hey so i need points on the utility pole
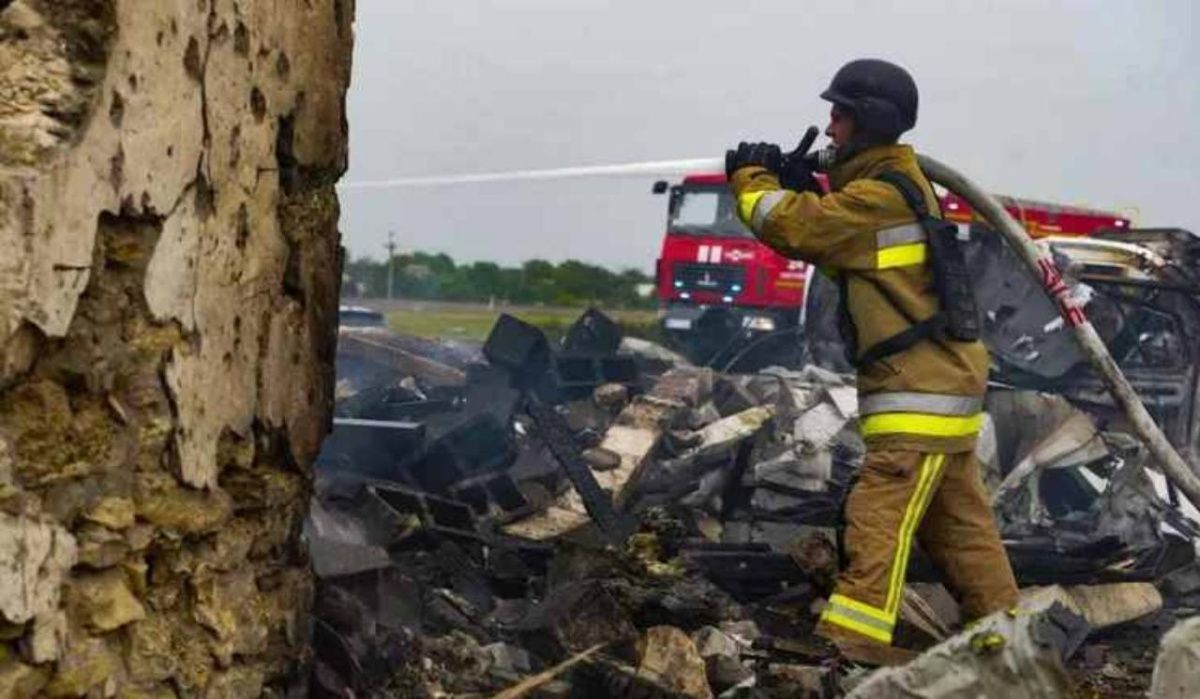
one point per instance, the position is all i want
(391, 276)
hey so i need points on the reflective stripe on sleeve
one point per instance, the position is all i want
(899, 235)
(913, 402)
(746, 204)
(900, 256)
(764, 206)
(921, 424)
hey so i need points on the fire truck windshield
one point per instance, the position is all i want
(704, 211)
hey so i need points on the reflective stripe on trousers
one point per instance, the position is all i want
(921, 424)
(928, 414)
(868, 620)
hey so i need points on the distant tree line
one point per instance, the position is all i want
(422, 275)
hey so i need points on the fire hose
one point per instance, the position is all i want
(1039, 262)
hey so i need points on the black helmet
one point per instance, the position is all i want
(882, 96)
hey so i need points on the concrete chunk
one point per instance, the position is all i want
(732, 430)
(668, 655)
(1102, 605)
(818, 426)
(1177, 669)
(809, 681)
(712, 641)
(633, 437)
(1005, 655)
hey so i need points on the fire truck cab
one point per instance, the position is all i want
(717, 285)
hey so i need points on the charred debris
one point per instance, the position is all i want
(602, 519)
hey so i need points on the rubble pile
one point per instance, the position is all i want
(600, 518)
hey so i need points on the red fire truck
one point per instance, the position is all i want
(720, 290)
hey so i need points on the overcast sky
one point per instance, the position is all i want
(1091, 103)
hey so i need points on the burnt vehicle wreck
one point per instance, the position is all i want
(598, 517)
(1142, 290)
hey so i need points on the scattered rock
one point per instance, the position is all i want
(601, 459)
(817, 427)
(725, 671)
(711, 641)
(611, 396)
(1102, 605)
(1002, 655)
(573, 617)
(807, 681)
(744, 631)
(652, 352)
(668, 655)
(1178, 663)
(509, 658)
(815, 553)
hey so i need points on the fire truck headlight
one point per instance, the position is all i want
(727, 299)
(761, 323)
(678, 283)
(735, 288)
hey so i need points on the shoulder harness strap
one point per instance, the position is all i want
(913, 196)
(915, 199)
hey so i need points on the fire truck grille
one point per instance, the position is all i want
(716, 279)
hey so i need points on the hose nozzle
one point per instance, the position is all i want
(817, 161)
(821, 160)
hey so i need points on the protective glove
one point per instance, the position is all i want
(794, 174)
(767, 155)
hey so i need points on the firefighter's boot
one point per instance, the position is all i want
(861, 650)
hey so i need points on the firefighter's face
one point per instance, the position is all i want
(841, 126)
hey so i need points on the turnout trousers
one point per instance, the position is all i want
(939, 500)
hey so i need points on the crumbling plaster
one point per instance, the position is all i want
(168, 293)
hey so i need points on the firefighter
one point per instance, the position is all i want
(920, 387)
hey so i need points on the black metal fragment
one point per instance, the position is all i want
(557, 435)
(431, 509)
(373, 448)
(517, 346)
(479, 444)
(574, 376)
(593, 333)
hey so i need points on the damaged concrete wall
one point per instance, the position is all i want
(167, 312)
